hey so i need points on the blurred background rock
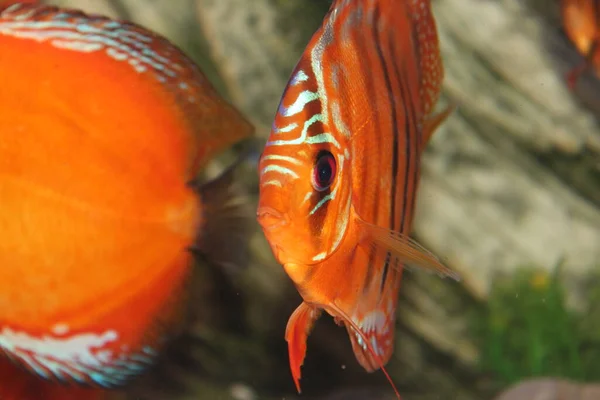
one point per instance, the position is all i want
(509, 198)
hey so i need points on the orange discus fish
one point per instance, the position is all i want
(339, 172)
(104, 127)
(581, 21)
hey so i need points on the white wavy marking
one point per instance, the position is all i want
(324, 200)
(77, 33)
(341, 225)
(273, 182)
(81, 357)
(281, 158)
(374, 324)
(285, 129)
(77, 348)
(279, 169)
(304, 138)
(302, 100)
(299, 77)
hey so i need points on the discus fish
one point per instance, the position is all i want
(581, 21)
(339, 172)
(104, 127)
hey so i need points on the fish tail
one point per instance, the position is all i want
(227, 219)
(296, 333)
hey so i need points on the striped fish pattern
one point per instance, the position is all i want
(339, 172)
(581, 21)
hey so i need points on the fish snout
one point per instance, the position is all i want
(270, 219)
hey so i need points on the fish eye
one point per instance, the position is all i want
(324, 171)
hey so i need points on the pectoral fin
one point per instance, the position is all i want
(407, 250)
(298, 328)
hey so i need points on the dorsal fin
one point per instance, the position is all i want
(428, 52)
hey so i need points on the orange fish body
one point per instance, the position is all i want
(103, 129)
(581, 21)
(340, 169)
(4, 3)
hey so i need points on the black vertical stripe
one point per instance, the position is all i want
(375, 124)
(411, 122)
(417, 133)
(411, 134)
(408, 149)
(394, 116)
(386, 269)
(408, 157)
(416, 52)
(394, 133)
(418, 148)
(370, 267)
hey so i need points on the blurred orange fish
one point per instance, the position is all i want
(4, 3)
(339, 172)
(104, 127)
(581, 21)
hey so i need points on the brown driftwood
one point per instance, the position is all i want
(511, 180)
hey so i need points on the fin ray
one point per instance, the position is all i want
(404, 248)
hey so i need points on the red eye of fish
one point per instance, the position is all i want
(324, 171)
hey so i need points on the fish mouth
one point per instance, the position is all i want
(270, 219)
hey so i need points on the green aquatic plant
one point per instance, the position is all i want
(527, 330)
